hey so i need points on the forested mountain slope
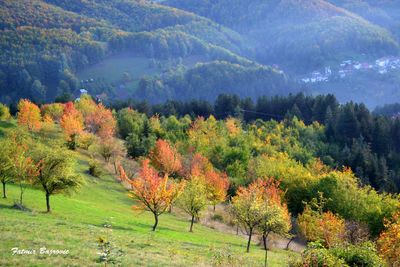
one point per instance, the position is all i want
(44, 43)
(383, 13)
(207, 80)
(296, 33)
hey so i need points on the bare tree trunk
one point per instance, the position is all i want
(288, 244)
(191, 224)
(4, 190)
(237, 229)
(48, 202)
(115, 167)
(264, 236)
(21, 187)
(249, 241)
(156, 221)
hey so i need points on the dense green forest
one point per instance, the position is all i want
(206, 81)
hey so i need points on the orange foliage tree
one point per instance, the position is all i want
(315, 225)
(101, 122)
(165, 158)
(389, 241)
(29, 115)
(152, 192)
(276, 217)
(217, 183)
(71, 123)
(260, 206)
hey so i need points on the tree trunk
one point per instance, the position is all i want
(290, 241)
(266, 249)
(191, 224)
(156, 221)
(214, 207)
(21, 193)
(115, 167)
(237, 229)
(4, 190)
(48, 202)
(249, 241)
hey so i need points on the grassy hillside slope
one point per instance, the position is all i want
(77, 221)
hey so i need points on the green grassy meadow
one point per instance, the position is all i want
(77, 221)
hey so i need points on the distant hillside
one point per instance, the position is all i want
(206, 81)
(385, 13)
(44, 43)
(298, 34)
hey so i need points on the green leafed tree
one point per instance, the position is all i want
(247, 208)
(4, 112)
(56, 173)
(5, 163)
(193, 199)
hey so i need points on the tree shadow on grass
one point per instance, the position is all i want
(4, 206)
(15, 206)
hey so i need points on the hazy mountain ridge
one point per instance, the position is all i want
(289, 32)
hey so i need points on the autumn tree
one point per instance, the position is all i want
(194, 198)
(217, 183)
(72, 124)
(54, 110)
(152, 192)
(247, 207)
(389, 241)
(29, 115)
(217, 186)
(127, 169)
(101, 122)
(165, 158)
(275, 215)
(86, 105)
(6, 152)
(23, 168)
(85, 140)
(4, 112)
(56, 173)
(316, 225)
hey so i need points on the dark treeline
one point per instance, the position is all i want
(355, 137)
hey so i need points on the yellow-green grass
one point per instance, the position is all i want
(78, 220)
